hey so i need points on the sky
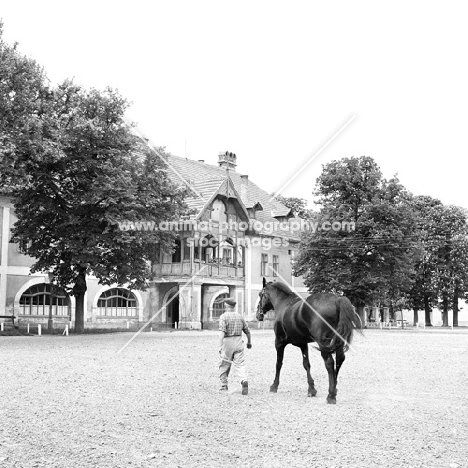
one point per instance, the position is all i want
(286, 86)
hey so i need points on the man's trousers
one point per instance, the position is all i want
(232, 349)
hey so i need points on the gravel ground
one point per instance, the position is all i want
(74, 402)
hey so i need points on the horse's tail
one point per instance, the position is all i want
(348, 321)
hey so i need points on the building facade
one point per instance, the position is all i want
(236, 235)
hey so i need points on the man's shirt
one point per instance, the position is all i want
(232, 324)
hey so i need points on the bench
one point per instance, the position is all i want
(11, 317)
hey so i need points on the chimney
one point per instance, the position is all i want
(244, 190)
(227, 160)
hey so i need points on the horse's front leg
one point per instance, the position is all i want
(279, 363)
(330, 365)
(306, 363)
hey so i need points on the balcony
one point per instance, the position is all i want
(215, 270)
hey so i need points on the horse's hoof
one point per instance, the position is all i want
(312, 393)
(273, 389)
(331, 401)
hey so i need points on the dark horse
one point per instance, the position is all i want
(325, 319)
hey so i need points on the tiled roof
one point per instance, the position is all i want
(207, 180)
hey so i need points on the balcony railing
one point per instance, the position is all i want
(208, 269)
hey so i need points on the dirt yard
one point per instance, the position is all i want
(74, 402)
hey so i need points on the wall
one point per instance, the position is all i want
(15, 257)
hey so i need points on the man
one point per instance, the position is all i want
(231, 346)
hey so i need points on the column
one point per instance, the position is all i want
(248, 279)
(153, 305)
(233, 295)
(196, 302)
(386, 314)
(376, 314)
(190, 307)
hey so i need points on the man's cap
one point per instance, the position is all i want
(230, 301)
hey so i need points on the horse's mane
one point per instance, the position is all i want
(282, 287)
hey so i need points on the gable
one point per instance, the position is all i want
(209, 181)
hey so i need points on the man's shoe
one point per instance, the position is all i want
(223, 388)
(245, 387)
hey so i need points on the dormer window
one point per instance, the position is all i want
(218, 212)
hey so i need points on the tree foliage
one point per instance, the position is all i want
(421, 295)
(74, 170)
(24, 89)
(449, 251)
(374, 261)
(297, 205)
(441, 272)
(405, 250)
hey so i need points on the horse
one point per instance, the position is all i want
(326, 319)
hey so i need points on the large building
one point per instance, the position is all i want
(237, 234)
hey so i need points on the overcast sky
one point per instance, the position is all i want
(274, 81)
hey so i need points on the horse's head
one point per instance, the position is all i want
(264, 304)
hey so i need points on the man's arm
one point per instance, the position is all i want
(247, 334)
(222, 331)
(221, 338)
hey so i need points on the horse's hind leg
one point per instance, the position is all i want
(330, 365)
(306, 363)
(279, 363)
(340, 357)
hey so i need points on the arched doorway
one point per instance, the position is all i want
(218, 307)
(172, 310)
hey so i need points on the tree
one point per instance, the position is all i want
(297, 205)
(449, 250)
(421, 295)
(24, 88)
(460, 284)
(89, 173)
(374, 259)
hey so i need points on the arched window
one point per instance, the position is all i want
(117, 302)
(39, 299)
(218, 306)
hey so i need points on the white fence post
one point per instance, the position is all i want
(39, 330)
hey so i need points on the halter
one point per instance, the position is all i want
(260, 311)
(260, 303)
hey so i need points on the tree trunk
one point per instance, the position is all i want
(455, 308)
(427, 310)
(415, 316)
(362, 315)
(445, 308)
(79, 291)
